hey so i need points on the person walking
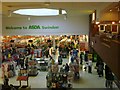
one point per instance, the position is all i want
(60, 60)
(97, 64)
(86, 60)
(109, 77)
(100, 69)
(26, 63)
(6, 80)
(81, 58)
(66, 67)
(90, 66)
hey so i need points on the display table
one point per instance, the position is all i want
(22, 78)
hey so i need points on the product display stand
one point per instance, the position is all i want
(22, 78)
(32, 71)
(8, 69)
(56, 79)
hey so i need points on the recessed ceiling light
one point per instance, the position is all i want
(110, 10)
(47, 3)
(39, 12)
(113, 22)
(105, 25)
(97, 22)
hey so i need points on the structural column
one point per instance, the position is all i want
(54, 50)
(53, 42)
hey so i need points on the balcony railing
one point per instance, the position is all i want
(109, 50)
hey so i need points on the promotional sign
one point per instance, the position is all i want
(32, 27)
(45, 25)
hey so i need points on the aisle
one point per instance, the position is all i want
(38, 81)
(89, 81)
(86, 80)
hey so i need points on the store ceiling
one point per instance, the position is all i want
(72, 8)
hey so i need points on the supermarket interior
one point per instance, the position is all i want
(78, 47)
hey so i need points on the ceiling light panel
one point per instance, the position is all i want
(39, 12)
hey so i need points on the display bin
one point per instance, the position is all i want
(22, 78)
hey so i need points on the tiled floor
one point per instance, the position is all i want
(86, 80)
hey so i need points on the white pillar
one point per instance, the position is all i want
(53, 39)
(53, 42)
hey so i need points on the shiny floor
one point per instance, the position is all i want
(86, 80)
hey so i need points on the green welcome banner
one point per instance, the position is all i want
(32, 27)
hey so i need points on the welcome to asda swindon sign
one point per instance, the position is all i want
(32, 27)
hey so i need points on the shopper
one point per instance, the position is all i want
(47, 52)
(109, 77)
(86, 56)
(26, 63)
(72, 59)
(86, 60)
(75, 52)
(90, 66)
(28, 49)
(97, 64)
(100, 69)
(77, 60)
(13, 51)
(81, 58)
(32, 52)
(6, 80)
(22, 62)
(66, 67)
(60, 60)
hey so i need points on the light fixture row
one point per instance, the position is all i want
(111, 22)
